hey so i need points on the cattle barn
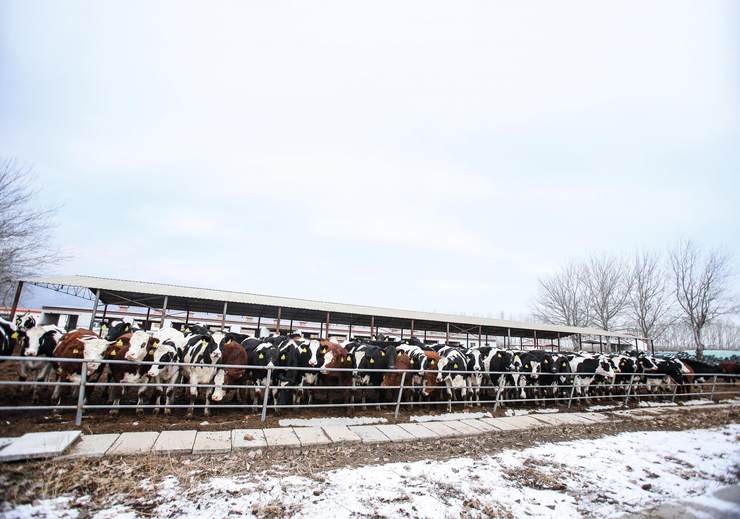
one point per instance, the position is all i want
(162, 301)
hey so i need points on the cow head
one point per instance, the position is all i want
(645, 363)
(139, 343)
(335, 356)
(93, 350)
(118, 329)
(310, 352)
(164, 352)
(25, 321)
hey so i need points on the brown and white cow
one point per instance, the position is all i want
(77, 344)
(233, 354)
(335, 356)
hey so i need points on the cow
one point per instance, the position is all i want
(160, 373)
(497, 365)
(286, 375)
(474, 380)
(366, 360)
(204, 352)
(77, 344)
(451, 370)
(40, 342)
(127, 373)
(701, 372)
(336, 357)
(232, 355)
(310, 355)
(420, 380)
(264, 355)
(589, 370)
(118, 329)
(10, 337)
(25, 321)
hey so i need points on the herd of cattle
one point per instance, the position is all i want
(294, 368)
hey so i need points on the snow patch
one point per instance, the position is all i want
(449, 416)
(522, 412)
(656, 404)
(698, 401)
(604, 407)
(329, 421)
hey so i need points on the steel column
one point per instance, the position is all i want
(95, 308)
(266, 395)
(400, 393)
(372, 326)
(81, 393)
(164, 312)
(558, 342)
(327, 324)
(412, 327)
(146, 322)
(187, 316)
(508, 335)
(16, 300)
(223, 315)
(480, 332)
(349, 333)
(536, 345)
(277, 321)
(447, 336)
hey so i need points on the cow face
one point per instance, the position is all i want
(93, 351)
(645, 363)
(25, 322)
(310, 353)
(164, 352)
(139, 343)
(115, 331)
(265, 355)
(335, 357)
(625, 364)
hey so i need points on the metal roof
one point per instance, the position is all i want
(147, 294)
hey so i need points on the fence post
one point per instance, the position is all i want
(629, 390)
(81, 393)
(499, 391)
(714, 383)
(400, 393)
(266, 395)
(572, 390)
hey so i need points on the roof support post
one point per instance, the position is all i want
(372, 326)
(536, 344)
(259, 325)
(652, 345)
(412, 327)
(146, 321)
(327, 324)
(291, 326)
(508, 335)
(447, 334)
(619, 344)
(16, 300)
(467, 339)
(187, 315)
(425, 335)
(349, 333)
(580, 341)
(105, 311)
(636, 346)
(94, 309)
(480, 332)
(164, 312)
(223, 315)
(277, 321)
(601, 345)
(521, 342)
(558, 342)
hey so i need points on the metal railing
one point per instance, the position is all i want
(509, 389)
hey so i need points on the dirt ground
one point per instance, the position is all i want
(106, 478)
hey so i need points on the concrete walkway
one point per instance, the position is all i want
(214, 442)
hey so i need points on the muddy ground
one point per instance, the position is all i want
(111, 478)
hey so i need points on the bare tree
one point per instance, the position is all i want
(649, 304)
(25, 229)
(562, 298)
(701, 287)
(607, 284)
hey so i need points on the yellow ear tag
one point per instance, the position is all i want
(399, 354)
(151, 352)
(498, 355)
(113, 353)
(304, 350)
(372, 361)
(14, 335)
(261, 356)
(119, 343)
(382, 353)
(75, 351)
(454, 366)
(282, 357)
(203, 342)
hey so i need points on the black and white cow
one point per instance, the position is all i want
(590, 370)
(167, 350)
(203, 351)
(310, 355)
(451, 370)
(40, 342)
(474, 380)
(10, 336)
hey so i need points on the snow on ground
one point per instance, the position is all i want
(698, 401)
(328, 421)
(600, 477)
(604, 407)
(646, 403)
(449, 416)
(522, 412)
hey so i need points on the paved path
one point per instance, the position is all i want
(44, 445)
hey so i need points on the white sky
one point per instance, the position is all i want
(426, 155)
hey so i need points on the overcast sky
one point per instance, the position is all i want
(425, 155)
